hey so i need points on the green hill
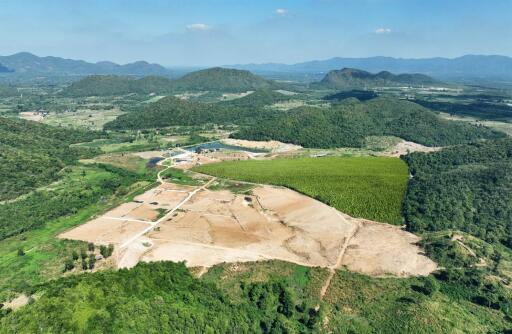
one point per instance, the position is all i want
(467, 187)
(350, 78)
(171, 111)
(107, 85)
(32, 154)
(221, 79)
(348, 124)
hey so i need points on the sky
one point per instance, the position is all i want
(222, 32)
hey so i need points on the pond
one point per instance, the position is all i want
(216, 145)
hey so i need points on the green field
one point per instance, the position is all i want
(367, 187)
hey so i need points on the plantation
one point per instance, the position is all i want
(367, 187)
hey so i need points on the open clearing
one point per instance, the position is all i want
(213, 227)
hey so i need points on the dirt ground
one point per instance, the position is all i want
(32, 116)
(405, 147)
(149, 154)
(205, 227)
(272, 145)
(277, 223)
(104, 231)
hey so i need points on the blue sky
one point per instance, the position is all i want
(216, 32)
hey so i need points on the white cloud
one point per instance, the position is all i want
(382, 30)
(281, 11)
(198, 27)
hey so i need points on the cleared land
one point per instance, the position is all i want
(213, 227)
(365, 187)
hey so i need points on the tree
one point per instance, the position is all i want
(90, 247)
(84, 264)
(21, 252)
(74, 255)
(69, 265)
(83, 254)
(92, 261)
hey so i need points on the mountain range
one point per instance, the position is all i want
(468, 66)
(25, 63)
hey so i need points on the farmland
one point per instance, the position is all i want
(366, 187)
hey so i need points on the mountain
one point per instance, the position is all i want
(350, 78)
(468, 66)
(221, 79)
(25, 63)
(347, 124)
(171, 111)
(107, 85)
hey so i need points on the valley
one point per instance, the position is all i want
(357, 203)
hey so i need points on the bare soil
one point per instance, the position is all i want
(405, 147)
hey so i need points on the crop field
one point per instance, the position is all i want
(85, 118)
(365, 187)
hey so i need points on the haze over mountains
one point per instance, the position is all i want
(25, 64)
(468, 66)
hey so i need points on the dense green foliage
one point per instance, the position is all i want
(467, 187)
(350, 78)
(361, 95)
(350, 122)
(31, 154)
(80, 188)
(221, 79)
(108, 85)
(214, 79)
(367, 187)
(174, 111)
(156, 298)
(477, 109)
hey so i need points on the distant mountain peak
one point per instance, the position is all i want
(27, 64)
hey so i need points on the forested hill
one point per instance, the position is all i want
(349, 123)
(107, 85)
(171, 111)
(221, 79)
(467, 188)
(350, 78)
(31, 154)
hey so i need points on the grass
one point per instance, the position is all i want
(129, 162)
(44, 252)
(233, 186)
(366, 187)
(304, 281)
(360, 304)
(178, 176)
(85, 118)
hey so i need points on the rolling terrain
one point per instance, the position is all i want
(349, 78)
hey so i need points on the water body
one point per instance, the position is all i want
(216, 145)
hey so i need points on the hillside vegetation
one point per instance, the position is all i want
(108, 85)
(221, 79)
(158, 297)
(350, 78)
(32, 154)
(366, 187)
(467, 187)
(350, 122)
(171, 111)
